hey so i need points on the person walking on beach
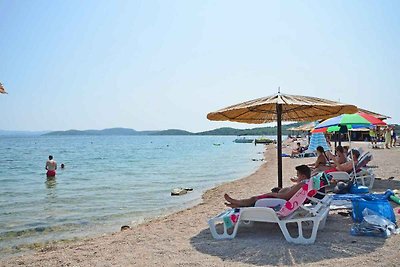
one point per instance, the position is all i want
(51, 167)
(373, 137)
(303, 174)
(388, 138)
(394, 137)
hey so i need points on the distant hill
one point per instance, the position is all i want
(254, 131)
(120, 131)
(110, 131)
(127, 131)
(172, 132)
(219, 131)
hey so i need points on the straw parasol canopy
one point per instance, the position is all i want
(304, 128)
(281, 107)
(294, 108)
(2, 89)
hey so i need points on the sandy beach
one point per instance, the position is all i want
(184, 239)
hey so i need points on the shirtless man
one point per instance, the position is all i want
(51, 167)
(339, 159)
(303, 174)
(345, 167)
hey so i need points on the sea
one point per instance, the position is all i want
(107, 182)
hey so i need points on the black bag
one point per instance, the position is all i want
(343, 187)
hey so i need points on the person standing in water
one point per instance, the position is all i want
(51, 167)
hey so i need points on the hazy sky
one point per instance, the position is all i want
(151, 65)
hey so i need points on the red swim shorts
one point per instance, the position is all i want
(51, 173)
(331, 170)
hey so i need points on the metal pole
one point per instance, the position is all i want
(279, 136)
(352, 158)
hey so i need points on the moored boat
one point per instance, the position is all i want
(243, 140)
(263, 140)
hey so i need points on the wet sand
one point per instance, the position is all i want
(183, 238)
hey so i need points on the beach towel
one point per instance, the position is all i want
(231, 218)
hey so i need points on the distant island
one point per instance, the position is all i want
(219, 131)
(127, 131)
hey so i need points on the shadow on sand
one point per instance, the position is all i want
(264, 244)
(382, 184)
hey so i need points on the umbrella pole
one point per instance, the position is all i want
(279, 136)
(352, 158)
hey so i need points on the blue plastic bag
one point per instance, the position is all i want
(358, 189)
(373, 225)
(380, 206)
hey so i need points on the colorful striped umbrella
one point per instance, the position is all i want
(351, 121)
(316, 140)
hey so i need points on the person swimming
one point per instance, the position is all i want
(51, 167)
(62, 166)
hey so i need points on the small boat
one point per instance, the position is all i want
(243, 140)
(263, 140)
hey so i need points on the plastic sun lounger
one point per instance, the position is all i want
(307, 153)
(304, 215)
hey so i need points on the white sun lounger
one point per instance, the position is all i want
(309, 215)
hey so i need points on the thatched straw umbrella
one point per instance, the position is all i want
(2, 89)
(281, 107)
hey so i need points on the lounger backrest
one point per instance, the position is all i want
(363, 161)
(296, 200)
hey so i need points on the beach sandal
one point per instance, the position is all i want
(343, 213)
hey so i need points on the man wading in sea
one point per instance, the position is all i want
(51, 167)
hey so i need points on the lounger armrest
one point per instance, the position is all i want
(340, 176)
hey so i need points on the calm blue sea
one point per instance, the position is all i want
(108, 181)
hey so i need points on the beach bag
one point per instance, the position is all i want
(358, 189)
(381, 207)
(374, 224)
(342, 187)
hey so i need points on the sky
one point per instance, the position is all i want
(153, 65)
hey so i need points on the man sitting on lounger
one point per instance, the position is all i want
(303, 174)
(340, 158)
(344, 167)
(296, 151)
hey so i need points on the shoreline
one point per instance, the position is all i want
(183, 238)
(34, 247)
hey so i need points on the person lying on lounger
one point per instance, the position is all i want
(322, 159)
(341, 154)
(345, 167)
(303, 174)
(340, 158)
